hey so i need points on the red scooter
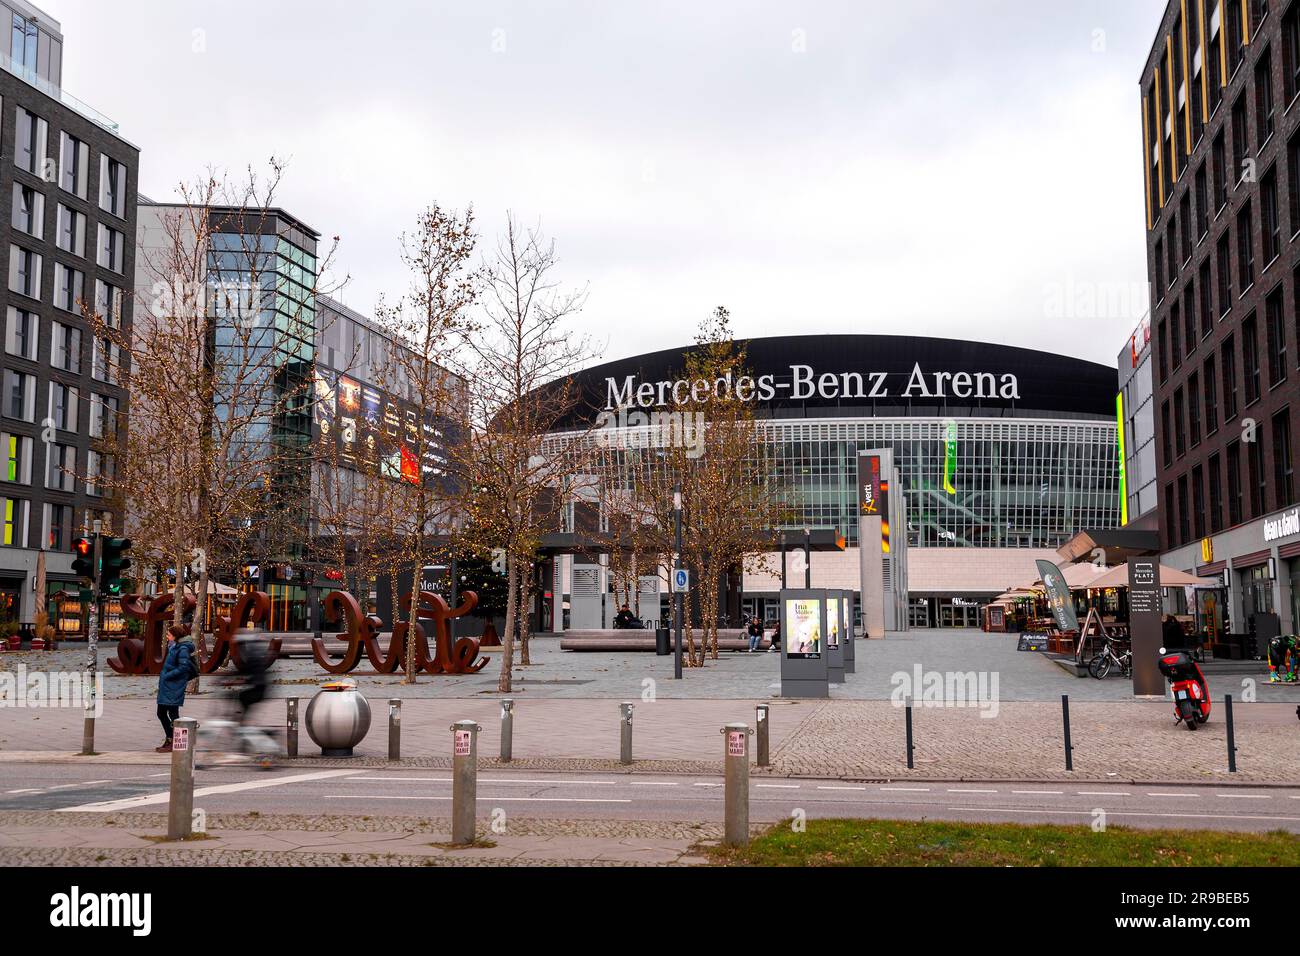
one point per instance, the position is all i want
(1191, 693)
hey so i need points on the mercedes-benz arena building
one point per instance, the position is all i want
(1002, 455)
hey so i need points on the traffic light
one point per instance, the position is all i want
(113, 562)
(83, 565)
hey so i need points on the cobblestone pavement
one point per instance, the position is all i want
(32, 838)
(556, 674)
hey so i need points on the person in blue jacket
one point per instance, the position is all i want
(177, 671)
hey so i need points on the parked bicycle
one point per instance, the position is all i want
(1102, 664)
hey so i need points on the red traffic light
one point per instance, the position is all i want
(83, 546)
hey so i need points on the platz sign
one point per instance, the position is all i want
(1283, 525)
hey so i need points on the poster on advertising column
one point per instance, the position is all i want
(803, 628)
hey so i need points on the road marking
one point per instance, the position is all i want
(962, 790)
(397, 796)
(91, 783)
(151, 799)
(1050, 793)
(840, 788)
(906, 789)
(778, 786)
(708, 785)
(1244, 796)
(557, 781)
(28, 790)
(655, 783)
(1132, 813)
(1103, 793)
(1172, 794)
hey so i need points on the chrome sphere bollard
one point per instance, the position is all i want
(338, 718)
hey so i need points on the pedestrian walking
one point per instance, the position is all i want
(180, 666)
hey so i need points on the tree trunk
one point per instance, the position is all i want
(508, 648)
(200, 623)
(525, 601)
(412, 622)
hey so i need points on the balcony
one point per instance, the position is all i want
(56, 93)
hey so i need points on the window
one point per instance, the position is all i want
(74, 160)
(1207, 301)
(1255, 477)
(1175, 338)
(1283, 465)
(18, 458)
(63, 406)
(1264, 98)
(103, 416)
(1211, 397)
(65, 350)
(105, 361)
(1184, 511)
(110, 248)
(99, 472)
(1194, 409)
(112, 186)
(1228, 362)
(1162, 344)
(1236, 38)
(24, 272)
(59, 524)
(1271, 217)
(1166, 433)
(1250, 358)
(1220, 167)
(1225, 274)
(108, 303)
(1275, 322)
(1168, 522)
(20, 395)
(1245, 248)
(29, 145)
(1239, 138)
(1198, 502)
(68, 288)
(1234, 484)
(1291, 53)
(1189, 316)
(21, 333)
(1180, 424)
(13, 514)
(1216, 496)
(1185, 217)
(1171, 246)
(61, 468)
(1159, 271)
(28, 211)
(71, 234)
(1202, 203)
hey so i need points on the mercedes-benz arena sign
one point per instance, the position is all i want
(854, 375)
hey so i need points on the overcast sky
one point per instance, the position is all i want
(969, 168)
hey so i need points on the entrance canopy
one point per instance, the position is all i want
(1118, 545)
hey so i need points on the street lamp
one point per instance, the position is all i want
(677, 594)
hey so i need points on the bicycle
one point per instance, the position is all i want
(1100, 666)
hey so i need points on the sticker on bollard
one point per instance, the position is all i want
(735, 743)
(180, 738)
(462, 743)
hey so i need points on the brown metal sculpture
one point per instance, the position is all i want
(461, 657)
(252, 608)
(363, 636)
(145, 655)
(338, 603)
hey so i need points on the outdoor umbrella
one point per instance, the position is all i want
(1117, 577)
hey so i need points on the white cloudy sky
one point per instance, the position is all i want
(944, 168)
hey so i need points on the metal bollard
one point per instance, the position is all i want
(910, 748)
(625, 732)
(736, 796)
(1232, 737)
(180, 802)
(394, 728)
(464, 780)
(291, 727)
(762, 712)
(507, 729)
(1065, 717)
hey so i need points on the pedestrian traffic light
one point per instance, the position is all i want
(113, 562)
(83, 565)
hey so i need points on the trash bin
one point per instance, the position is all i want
(663, 644)
(338, 718)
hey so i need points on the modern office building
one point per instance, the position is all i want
(1221, 144)
(260, 280)
(999, 455)
(1135, 410)
(67, 208)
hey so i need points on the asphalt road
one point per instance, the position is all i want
(648, 797)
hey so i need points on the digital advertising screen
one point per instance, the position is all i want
(803, 628)
(833, 622)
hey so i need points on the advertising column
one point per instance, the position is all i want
(846, 632)
(834, 635)
(874, 541)
(804, 670)
(1144, 626)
